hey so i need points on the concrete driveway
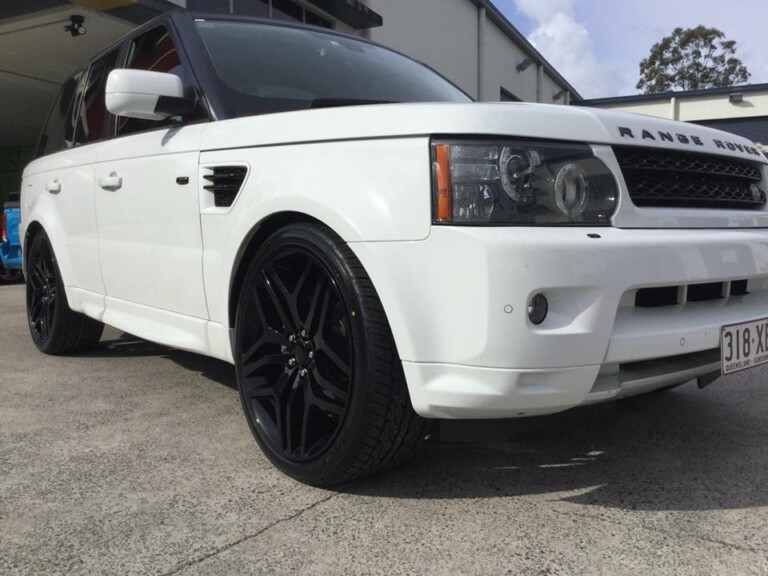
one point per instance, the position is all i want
(136, 459)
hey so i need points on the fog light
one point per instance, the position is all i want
(537, 309)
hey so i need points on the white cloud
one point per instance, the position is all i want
(566, 43)
(542, 10)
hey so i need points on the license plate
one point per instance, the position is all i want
(744, 345)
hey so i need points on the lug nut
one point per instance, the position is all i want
(303, 372)
(291, 362)
(310, 355)
(292, 338)
(303, 333)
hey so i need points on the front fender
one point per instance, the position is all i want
(365, 191)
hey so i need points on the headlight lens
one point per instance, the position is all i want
(521, 182)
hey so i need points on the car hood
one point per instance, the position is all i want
(570, 123)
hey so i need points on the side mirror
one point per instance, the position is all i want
(146, 95)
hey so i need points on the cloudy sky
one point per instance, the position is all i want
(597, 45)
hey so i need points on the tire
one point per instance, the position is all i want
(54, 327)
(320, 380)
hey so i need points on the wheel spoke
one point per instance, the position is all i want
(328, 386)
(42, 278)
(268, 337)
(270, 283)
(45, 268)
(259, 387)
(34, 309)
(267, 360)
(320, 294)
(285, 382)
(325, 405)
(302, 279)
(335, 358)
(304, 429)
(288, 408)
(35, 278)
(48, 314)
(44, 324)
(324, 311)
(257, 303)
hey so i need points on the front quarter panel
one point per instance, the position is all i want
(364, 190)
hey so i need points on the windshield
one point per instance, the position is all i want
(271, 68)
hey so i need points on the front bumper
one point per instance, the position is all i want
(457, 303)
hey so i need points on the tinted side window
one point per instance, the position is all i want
(94, 119)
(61, 114)
(156, 52)
(70, 122)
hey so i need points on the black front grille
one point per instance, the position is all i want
(225, 183)
(665, 178)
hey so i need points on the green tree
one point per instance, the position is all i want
(691, 59)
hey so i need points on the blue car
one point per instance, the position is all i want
(10, 244)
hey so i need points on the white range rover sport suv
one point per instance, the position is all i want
(372, 249)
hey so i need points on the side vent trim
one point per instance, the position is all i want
(225, 183)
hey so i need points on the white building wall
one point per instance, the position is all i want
(718, 107)
(696, 108)
(549, 89)
(440, 33)
(445, 34)
(501, 56)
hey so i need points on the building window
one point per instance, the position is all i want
(507, 96)
(315, 20)
(210, 6)
(255, 8)
(289, 10)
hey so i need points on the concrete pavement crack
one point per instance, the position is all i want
(204, 557)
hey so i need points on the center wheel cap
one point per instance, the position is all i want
(303, 353)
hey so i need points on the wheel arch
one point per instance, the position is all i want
(33, 229)
(250, 244)
(377, 269)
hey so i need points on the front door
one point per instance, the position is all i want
(147, 208)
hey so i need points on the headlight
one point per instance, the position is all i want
(521, 182)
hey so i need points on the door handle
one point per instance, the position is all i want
(54, 186)
(111, 182)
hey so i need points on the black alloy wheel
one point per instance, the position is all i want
(54, 327)
(42, 290)
(296, 360)
(319, 377)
